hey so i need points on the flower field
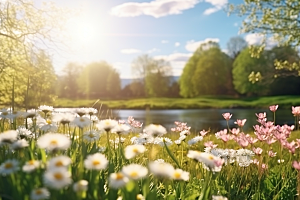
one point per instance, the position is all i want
(45, 154)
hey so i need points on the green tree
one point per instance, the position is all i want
(203, 71)
(276, 19)
(154, 74)
(235, 45)
(212, 72)
(99, 80)
(68, 82)
(243, 65)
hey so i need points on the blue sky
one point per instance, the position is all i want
(118, 31)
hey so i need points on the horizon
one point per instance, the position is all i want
(119, 31)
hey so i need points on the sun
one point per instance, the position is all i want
(82, 30)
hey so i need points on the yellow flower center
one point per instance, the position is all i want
(96, 162)
(53, 142)
(177, 175)
(210, 157)
(38, 192)
(4, 113)
(31, 162)
(133, 174)
(135, 150)
(48, 121)
(8, 165)
(59, 164)
(82, 120)
(119, 176)
(91, 135)
(58, 176)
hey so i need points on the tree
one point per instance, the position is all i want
(99, 80)
(243, 65)
(235, 45)
(68, 86)
(276, 19)
(205, 71)
(154, 75)
(212, 72)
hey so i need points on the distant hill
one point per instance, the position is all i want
(127, 81)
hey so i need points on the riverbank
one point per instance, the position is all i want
(183, 103)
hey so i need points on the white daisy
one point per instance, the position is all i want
(195, 140)
(91, 136)
(24, 133)
(39, 194)
(107, 124)
(81, 122)
(31, 165)
(9, 166)
(57, 178)
(155, 130)
(161, 140)
(80, 186)
(132, 150)
(64, 118)
(54, 141)
(19, 144)
(59, 161)
(8, 137)
(96, 161)
(161, 169)
(134, 171)
(208, 159)
(179, 174)
(120, 129)
(117, 180)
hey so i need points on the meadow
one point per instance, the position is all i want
(183, 103)
(49, 155)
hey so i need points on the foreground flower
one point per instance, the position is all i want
(80, 186)
(8, 137)
(273, 108)
(53, 142)
(107, 124)
(161, 169)
(132, 150)
(31, 165)
(227, 116)
(240, 122)
(135, 171)
(91, 136)
(179, 174)
(155, 130)
(96, 161)
(59, 161)
(208, 159)
(296, 110)
(214, 197)
(40, 193)
(117, 180)
(57, 178)
(81, 122)
(9, 167)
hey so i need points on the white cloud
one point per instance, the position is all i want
(153, 50)
(192, 45)
(156, 8)
(217, 5)
(130, 51)
(177, 44)
(236, 24)
(257, 39)
(164, 41)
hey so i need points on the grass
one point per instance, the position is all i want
(184, 103)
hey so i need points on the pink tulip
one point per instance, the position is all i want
(240, 123)
(227, 116)
(273, 108)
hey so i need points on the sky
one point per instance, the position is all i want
(118, 31)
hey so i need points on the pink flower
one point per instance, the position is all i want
(210, 144)
(227, 116)
(296, 110)
(257, 151)
(203, 133)
(272, 154)
(240, 123)
(273, 108)
(296, 165)
(261, 116)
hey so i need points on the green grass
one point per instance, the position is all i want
(184, 103)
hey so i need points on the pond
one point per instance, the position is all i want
(199, 119)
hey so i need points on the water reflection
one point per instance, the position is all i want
(200, 119)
